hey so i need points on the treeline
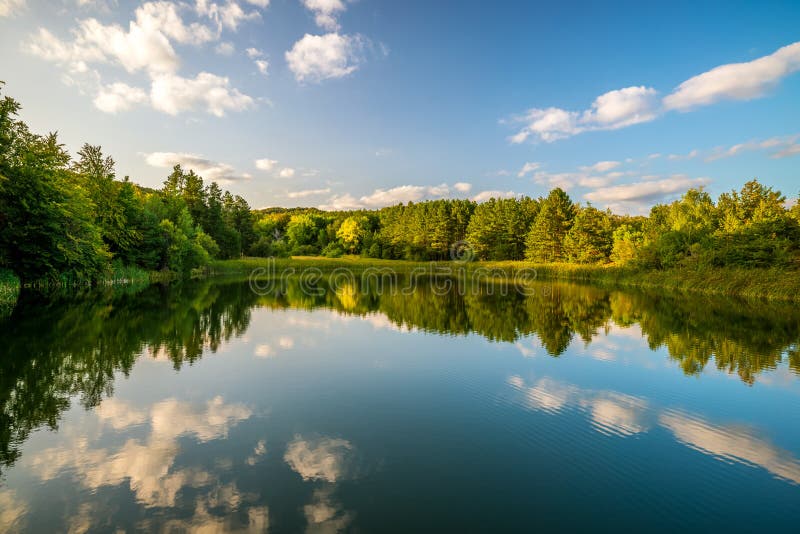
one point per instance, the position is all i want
(72, 219)
(752, 227)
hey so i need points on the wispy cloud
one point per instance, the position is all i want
(210, 170)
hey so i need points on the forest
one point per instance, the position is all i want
(68, 219)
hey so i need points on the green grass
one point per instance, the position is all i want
(9, 290)
(767, 284)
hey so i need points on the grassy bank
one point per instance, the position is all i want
(767, 284)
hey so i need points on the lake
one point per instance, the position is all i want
(220, 405)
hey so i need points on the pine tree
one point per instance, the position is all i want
(590, 238)
(545, 241)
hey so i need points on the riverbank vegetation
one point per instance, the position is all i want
(71, 220)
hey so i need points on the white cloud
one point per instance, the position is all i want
(609, 111)
(789, 151)
(483, 196)
(308, 193)
(678, 157)
(386, 197)
(342, 203)
(228, 15)
(210, 170)
(265, 164)
(319, 57)
(403, 193)
(10, 8)
(781, 147)
(262, 65)
(253, 53)
(528, 167)
(602, 166)
(325, 12)
(735, 81)
(174, 94)
(286, 172)
(118, 97)
(462, 187)
(225, 49)
(635, 197)
(638, 104)
(146, 45)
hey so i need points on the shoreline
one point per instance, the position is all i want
(756, 284)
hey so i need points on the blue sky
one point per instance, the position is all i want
(344, 104)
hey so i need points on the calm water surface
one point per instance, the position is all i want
(207, 407)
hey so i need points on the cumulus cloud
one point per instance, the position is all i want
(225, 49)
(286, 172)
(10, 8)
(462, 187)
(174, 94)
(609, 111)
(325, 12)
(736, 81)
(262, 65)
(118, 97)
(146, 45)
(210, 170)
(633, 105)
(319, 57)
(265, 164)
(229, 14)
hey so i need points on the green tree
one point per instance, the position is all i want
(589, 240)
(351, 233)
(46, 220)
(545, 241)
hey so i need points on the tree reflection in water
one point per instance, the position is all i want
(54, 349)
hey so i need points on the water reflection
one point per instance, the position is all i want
(54, 349)
(171, 451)
(623, 415)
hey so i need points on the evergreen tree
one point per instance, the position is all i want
(590, 238)
(545, 241)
